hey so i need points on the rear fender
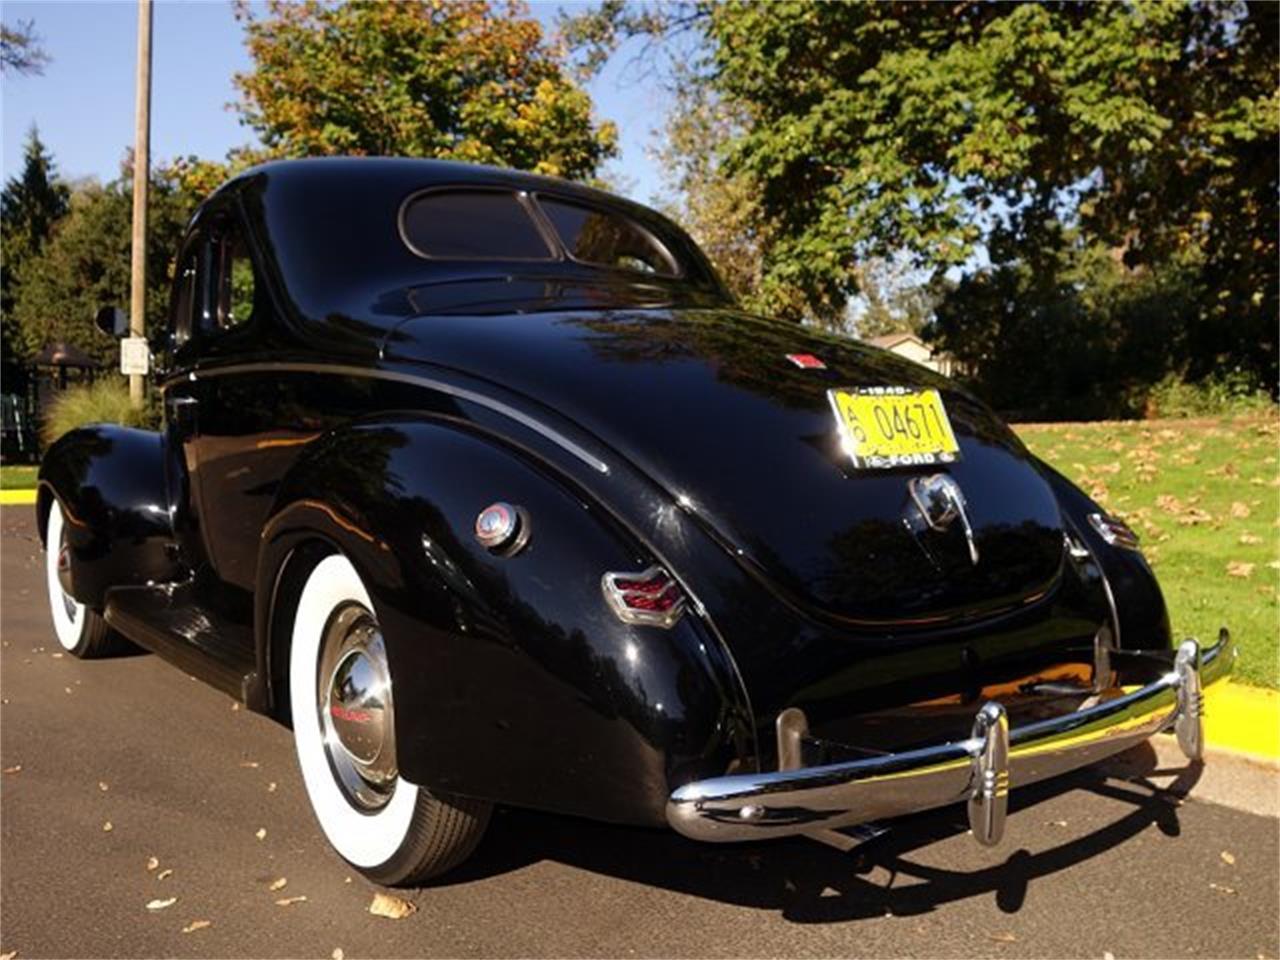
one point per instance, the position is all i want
(513, 680)
(110, 481)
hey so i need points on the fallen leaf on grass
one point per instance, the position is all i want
(278, 884)
(195, 925)
(107, 827)
(1221, 888)
(161, 904)
(152, 863)
(1239, 510)
(164, 874)
(290, 901)
(1248, 539)
(393, 908)
(1228, 857)
(1238, 568)
(14, 769)
(1002, 937)
(262, 833)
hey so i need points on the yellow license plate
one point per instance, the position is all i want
(884, 427)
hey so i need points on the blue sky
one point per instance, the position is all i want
(84, 101)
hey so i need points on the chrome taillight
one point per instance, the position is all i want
(1115, 532)
(652, 598)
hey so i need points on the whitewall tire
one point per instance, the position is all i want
(340, 691)
(80, 630)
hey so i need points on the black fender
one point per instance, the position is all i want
(111, 483)
(513, 681)
(1139, 603)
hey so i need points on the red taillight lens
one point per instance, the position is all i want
(1115, 532)
(652, 598)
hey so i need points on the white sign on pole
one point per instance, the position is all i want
(135, 356)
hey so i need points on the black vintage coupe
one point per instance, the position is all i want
(482, 483)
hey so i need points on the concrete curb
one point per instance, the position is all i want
(1243, 720)
(10, 498)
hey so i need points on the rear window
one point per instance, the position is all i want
(606, 239)
(472, 225)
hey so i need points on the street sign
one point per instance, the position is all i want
(135, 356)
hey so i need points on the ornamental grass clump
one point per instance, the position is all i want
(103, 401)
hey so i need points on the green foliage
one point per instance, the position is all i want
(86, 265)
(30, 205)
(20, 49)
(464, 81)
(104, 401)
(1043, 139)
(1235, 392)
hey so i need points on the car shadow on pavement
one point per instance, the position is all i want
(895, 873)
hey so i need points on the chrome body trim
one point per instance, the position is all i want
(979, 770)
(394, 376)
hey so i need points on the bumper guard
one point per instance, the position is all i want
(816, 801)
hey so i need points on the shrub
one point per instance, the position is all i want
(1233, 391)
(104, 401)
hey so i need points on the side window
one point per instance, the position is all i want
(471, 225)
(182, 318)
(606, 239)
(235, 280)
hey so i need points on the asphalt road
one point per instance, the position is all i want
(1091, 866)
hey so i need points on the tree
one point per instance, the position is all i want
(32, 202)
(464, 81)
(85, 265)
(20, 50)
(1046, 136)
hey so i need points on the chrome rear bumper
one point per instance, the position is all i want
(980, 770)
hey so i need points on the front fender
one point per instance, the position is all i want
(110, 481)
(513, 680)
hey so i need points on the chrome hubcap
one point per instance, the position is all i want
(355, 708)
(64, 578)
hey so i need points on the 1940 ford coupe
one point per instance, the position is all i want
(482, 483)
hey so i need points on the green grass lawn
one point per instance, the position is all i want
(18, 478)
(1205, 497)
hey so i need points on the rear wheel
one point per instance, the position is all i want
(393, 831)
(80, 630)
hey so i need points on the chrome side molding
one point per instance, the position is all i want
(818, 801)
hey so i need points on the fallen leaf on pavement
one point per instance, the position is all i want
(195, 925)
(1221, 888)
(1108, 955)
(8, 956)
(290, 901)
(152, 863)
(337, 953)
(262, 833)
(163, 874)
(57, 656)
(1228, 857)
(102, 785)
(271, 787)
(393, 908)
(161, 904)
(1057, 823)
(278, 884)
(107, 828)
(1002, 937)
(249, 764)
(14, 769)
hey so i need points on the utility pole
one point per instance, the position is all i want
(141, 180)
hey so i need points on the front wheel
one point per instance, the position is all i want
(80, 630)
(392, 831)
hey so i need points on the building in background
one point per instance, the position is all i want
(909, 345)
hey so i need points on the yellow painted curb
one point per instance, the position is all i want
(11, 498)
(1243, 719)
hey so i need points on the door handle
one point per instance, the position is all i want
(182, 410)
